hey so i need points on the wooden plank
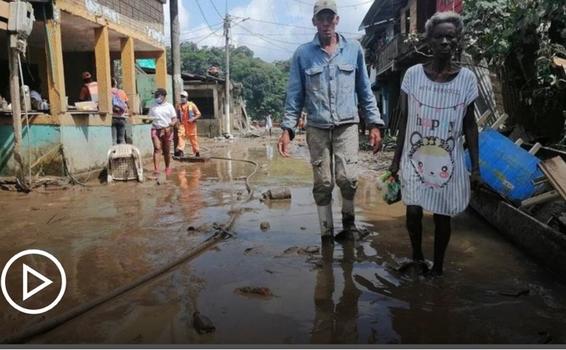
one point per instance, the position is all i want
(560, 62)
(161, 71)
(483, 118)
(541, 198)
(102, 59)
(55, 68)
(555, 170)
(500, 121)
(128, 59)
(535, 148)
(4, 9)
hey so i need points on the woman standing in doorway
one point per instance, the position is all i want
(438, 99)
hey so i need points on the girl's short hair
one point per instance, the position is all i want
(444, 17)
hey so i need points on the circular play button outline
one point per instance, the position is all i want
(54, 261)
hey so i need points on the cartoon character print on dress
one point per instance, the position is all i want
(431, 158)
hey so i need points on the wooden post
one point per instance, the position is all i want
(127, 56)
(176, 51)
(16, 110)
(161, 71)
(102, 59)
(55, 71)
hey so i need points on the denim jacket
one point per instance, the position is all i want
(329, 87)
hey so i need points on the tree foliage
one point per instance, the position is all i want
(263, 83)
(521, 38)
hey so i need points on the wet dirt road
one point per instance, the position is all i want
(107, 236)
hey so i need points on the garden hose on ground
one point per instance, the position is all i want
(220, 233)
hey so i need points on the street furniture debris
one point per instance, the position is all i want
(277, 194)
(506, 168)
(124, 163)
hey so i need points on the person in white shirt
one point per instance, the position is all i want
(268, 123)
(164, 117)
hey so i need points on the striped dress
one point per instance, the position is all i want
(433, 172)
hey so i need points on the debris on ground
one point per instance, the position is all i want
(309, 250)
(264, 226)
(202, 228)
(277, 194)
(251, 251)
(303, 228)
(514, 293)
(202, 324)
(263, 292)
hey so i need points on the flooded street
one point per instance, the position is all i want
(107, 236)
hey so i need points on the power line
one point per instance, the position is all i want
(205, 37)
(192, 31)
(278, 23)
(267, 40)
(293, 25)
(265, 47)
(202, 14)
(215, 8)
(342, 6)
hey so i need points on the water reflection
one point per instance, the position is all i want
(190, 196)
(336, 323)
(269, 151)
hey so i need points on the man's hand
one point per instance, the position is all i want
(375, 140)
(475, 179)
(283, 144)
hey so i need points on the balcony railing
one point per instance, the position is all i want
(391, 51)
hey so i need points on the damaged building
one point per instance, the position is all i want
(70, 37)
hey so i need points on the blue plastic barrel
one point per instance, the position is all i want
(507, 168)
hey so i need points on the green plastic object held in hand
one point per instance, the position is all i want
(390, 186)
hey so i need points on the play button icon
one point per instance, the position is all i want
(33, 281)
(25, 287)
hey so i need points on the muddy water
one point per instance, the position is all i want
(106, 236)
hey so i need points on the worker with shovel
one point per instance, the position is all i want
(188, 113)
(329, 79)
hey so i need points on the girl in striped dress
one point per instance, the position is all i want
(438, 97)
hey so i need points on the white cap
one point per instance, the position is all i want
(184, 94)
(325, 5)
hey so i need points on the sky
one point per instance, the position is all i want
(273, 29)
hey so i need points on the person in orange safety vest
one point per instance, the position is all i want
(188, 113)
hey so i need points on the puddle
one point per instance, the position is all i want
(107, 236)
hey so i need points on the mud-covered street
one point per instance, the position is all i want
(107, 236)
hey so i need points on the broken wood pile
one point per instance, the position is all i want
(12, 183)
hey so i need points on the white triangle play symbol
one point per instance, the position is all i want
(26, 271)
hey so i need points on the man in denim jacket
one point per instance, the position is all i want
(329, 79)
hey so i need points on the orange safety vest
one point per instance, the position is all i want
(184, 112)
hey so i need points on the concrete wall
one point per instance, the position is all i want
(140, 10)
(85, 146)
(43, 139)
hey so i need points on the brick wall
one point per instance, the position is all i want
(148, 11)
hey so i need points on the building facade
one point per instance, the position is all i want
(103, 37)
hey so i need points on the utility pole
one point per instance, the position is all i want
(176, 51)
(227, 24)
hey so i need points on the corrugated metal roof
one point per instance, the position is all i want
(380, 12)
